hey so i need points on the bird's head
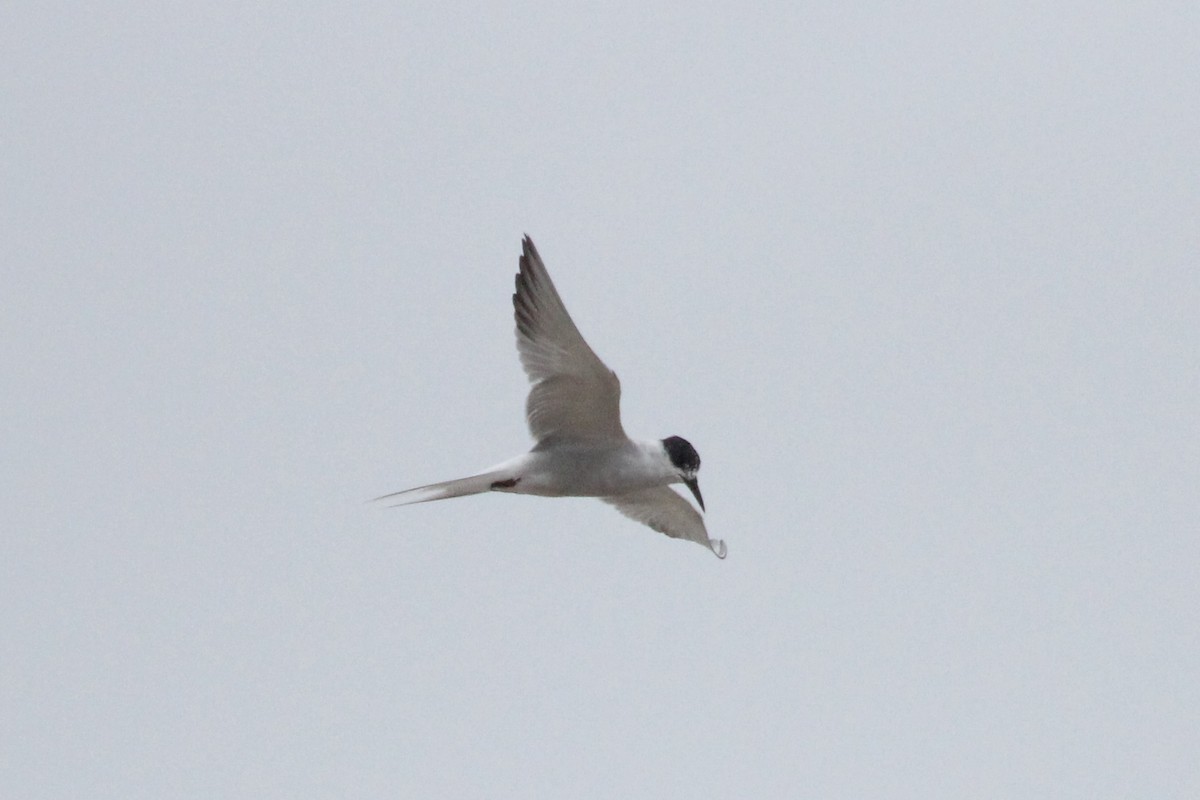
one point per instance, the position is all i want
(686, 461)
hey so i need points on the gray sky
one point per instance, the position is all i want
(921, 287)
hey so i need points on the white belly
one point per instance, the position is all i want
(582, 471)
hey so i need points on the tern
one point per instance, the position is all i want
(574, 414)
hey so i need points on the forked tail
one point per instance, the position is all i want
(497, 480)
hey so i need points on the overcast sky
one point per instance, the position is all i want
(922, 286)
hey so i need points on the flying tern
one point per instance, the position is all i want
(573, 411)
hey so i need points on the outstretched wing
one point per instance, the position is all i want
(574, 396)
(666, 512)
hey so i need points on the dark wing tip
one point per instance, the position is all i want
(529, 276)
(528, 250)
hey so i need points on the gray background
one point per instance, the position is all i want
(920, 284)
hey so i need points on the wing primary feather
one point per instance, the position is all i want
(573, 396)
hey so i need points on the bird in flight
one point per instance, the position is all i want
(574, 413)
